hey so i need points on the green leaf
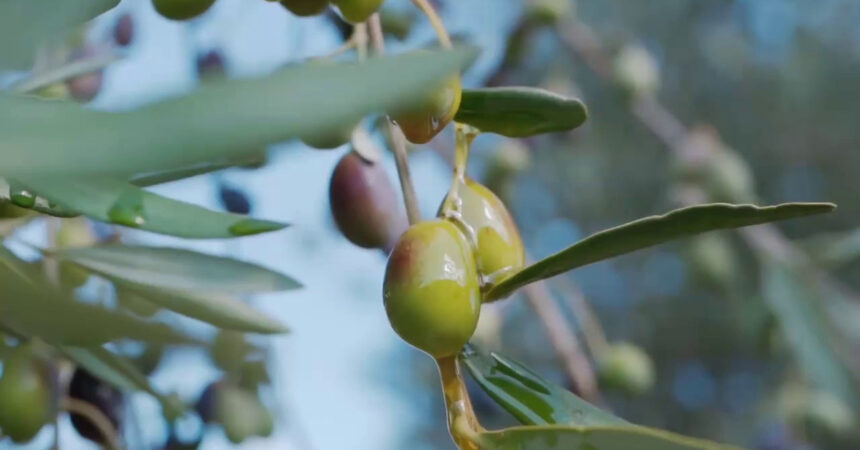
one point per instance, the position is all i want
(173, 268)
(520, 111)
(555, 437)
(24, 24)
(116, 201)
(218, 309)
(558, 418)
(650, 231)
(805, 329)
(181, 173)
(33, 307)
(527, 396)
(222, 119)
(119, 372)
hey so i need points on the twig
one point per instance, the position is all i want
(595, 337)
(68, 71)
(564, 341)
(435, 21)
(96, 417)
(410, 198)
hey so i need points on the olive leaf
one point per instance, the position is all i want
(119, 372)
(217, 309)
(558, 419)
(221, 119)
(650, 231)
(174, 268)
(35, 308)
(25, 24)
(805, 329)
(12, 192)
(520, 111)
(527, 396)
(181, 173)
(116, 201)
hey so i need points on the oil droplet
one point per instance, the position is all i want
(247, 227)
(128, 210)
(23, 198)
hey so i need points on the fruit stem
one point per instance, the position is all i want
(96, 417)
(462, 422)
(435, 21)
(410, 198)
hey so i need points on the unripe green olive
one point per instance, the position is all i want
(181, 9)
(498, 246)
(329, 139)
(627, 368)
(305, 8)
(364, 203)
(25, 397)
(431, 290)
(423, 122)
(74, 232)
(358, 11)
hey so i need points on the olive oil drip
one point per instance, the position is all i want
(462, 422)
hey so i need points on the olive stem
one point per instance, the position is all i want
(68, 71)
(463, 425)
(435, 21)
(98, 419)
(410, 198)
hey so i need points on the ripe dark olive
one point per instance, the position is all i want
(25, 397)
(364, 203)
(210, 64)
(498, 246)
(85, 387)
(423, 122)
(123, 31)
(358, 11)
(627, 368)
(431, 290)
(181, 9)
(233, 199)
(305, 8)
(206, 403)
(84, 88)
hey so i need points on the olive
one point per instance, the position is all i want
(329, 139)
(74, 232)
(123, 31)
(424, 121)
(305, 8)
(25, 397)
(498, 246)
(363, 203)
(206, 403)
(431, 290)
(233, 199)
(210, 65)
(237, 410)
(87, 388)
(84, 88)
(181, 9)
(358, 11)
(230, 350)
(627, 368)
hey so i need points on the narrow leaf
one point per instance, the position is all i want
(520, 111)
(222, 119)
(173, 268)
(555, 437)
(37, 309)
(24, 24)
(116, 201)
(218, 309)
(527, 396)
(650, 231)
(805, 330)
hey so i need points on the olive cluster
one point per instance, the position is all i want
(355, 11)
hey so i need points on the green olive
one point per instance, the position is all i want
(358, 11)
(498, 245)
(181, 9)
(364, 203)
(305, 8)
(420, 124)
(329, 139)
(431, 290)
(25, 397)
(627, 368)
